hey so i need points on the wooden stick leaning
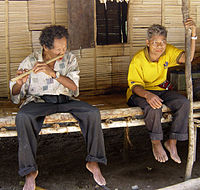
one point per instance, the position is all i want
(28, 72)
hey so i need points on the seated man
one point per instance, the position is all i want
(149, 89)
(49, 89)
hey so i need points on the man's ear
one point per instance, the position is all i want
(147, 43)
(45, 48)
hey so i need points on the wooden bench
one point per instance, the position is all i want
(114, 113)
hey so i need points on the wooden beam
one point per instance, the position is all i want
(7, 45)
(192, 184)
(65, 123)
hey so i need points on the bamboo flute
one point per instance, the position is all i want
(28, 72)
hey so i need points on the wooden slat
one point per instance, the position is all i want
(108, 124)
(105, 114)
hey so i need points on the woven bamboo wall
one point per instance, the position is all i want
(102, 67)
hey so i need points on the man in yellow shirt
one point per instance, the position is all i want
(149, 89)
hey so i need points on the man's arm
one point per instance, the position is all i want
(153, 100)
(190, 24)
(66, 82)
(19, 83)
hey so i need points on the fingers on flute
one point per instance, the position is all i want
(38, 67)
(21, 71)
(23, 79)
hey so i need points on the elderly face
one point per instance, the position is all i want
(60, 47)
(157, 45)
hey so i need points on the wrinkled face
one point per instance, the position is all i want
(60, 47)
(157, 45)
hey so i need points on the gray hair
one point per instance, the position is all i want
(156, 29)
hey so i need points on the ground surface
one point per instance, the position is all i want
(62, 167)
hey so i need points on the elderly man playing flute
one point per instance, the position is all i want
(49, 89)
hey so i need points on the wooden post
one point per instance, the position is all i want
(192, 184)
(7, 45)
(95, 46)
(188, 77)
(53, 17)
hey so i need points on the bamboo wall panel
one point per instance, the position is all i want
(87, 73)
(20, 45)
(35, 40)
(198, 43)
(175, 36)
(61, 12)
(194, 2)
(126, 49)
(39, 14)
(104, 69)
(150, 2)
(120, 67)
(173, 2)
(110, 50)
(173, 16)
(151, 14)
(86, 61)
(3, 80)
(138, 36)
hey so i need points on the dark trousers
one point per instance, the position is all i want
(180, 107)
(29, 122)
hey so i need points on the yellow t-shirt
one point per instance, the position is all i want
(144, 72)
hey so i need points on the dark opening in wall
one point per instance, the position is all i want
(111, 22)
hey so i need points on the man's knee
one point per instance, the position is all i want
(93, 111)
(21, 118)
(152, 113)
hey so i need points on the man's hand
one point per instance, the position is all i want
(43, 67)
(154, 101)
(191, 24)
(22, 80)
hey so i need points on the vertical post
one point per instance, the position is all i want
(188, 76)
(95, 45)
(53, 16)
(163, 12)
(7, 45)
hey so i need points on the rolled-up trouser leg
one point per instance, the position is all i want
(29, 122)
(180, 107)
(90, 122)
(152, 119)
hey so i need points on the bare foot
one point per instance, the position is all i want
(170, 145)
(158, 151)
(30, 181)
(93, 167)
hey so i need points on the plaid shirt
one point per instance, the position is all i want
(42, 84)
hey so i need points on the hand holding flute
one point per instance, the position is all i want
(38, 67)
(41, 68)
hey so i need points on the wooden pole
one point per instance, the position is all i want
(7, 45)
(163, 12)
(95, 46)
(192, 184)
(188, 77)
(53, 17)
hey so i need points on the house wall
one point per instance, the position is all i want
(102, 67)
